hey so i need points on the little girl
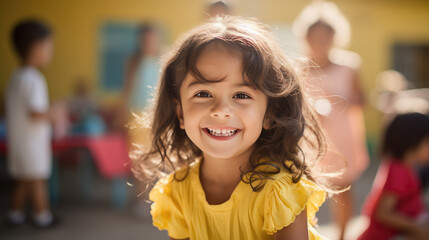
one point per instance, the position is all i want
(395, 205)
(233, 124)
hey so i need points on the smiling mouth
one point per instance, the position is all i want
(222, 132)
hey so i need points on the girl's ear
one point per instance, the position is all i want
(179, 113)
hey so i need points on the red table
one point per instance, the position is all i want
(110, 152)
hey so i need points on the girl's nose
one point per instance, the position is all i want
(221, 109)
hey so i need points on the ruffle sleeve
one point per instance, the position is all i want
(166, 211)
(285, 200)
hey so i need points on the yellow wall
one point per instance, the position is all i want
(375, 26)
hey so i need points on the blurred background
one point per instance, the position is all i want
(96, 43)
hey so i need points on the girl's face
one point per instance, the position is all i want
(224, 116)
(149, 43)
(320, 40)
(422, 152)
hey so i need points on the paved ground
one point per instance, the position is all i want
(95, 218)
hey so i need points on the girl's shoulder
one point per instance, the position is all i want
(279, 177)
(169, 197)
(282, 200)
(176, 181)
(284, 182)
(281, 183)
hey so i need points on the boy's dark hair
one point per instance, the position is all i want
(26, 33)
(405, 133)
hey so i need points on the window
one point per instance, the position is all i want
(412, 60)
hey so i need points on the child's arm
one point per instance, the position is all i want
(296, 230)
(37, 99)
(48, 115)
(51, 114)
(358, 95)
(386, 214)
(40, 115)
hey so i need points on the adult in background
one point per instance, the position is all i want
(336, 94)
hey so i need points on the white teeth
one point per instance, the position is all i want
(222, 132)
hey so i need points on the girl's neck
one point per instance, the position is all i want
(321, 61)
(223, 171)
(409, 159)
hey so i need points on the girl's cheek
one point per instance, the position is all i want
(198, 106)
(426, 155)
(192, 111)
(424, 151)
(253, 111)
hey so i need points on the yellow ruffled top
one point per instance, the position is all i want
(180, 207)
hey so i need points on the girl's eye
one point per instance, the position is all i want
(241, 96)
(203, 94)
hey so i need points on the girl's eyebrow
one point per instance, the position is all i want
(196, 81)
(243, 84)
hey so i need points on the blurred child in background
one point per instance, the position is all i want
(395, 204)
(28, 124)
(142, 70)
(141, 78)
(84, 110)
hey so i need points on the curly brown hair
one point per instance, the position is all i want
(294, 141)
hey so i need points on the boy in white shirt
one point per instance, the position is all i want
(28, 124)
